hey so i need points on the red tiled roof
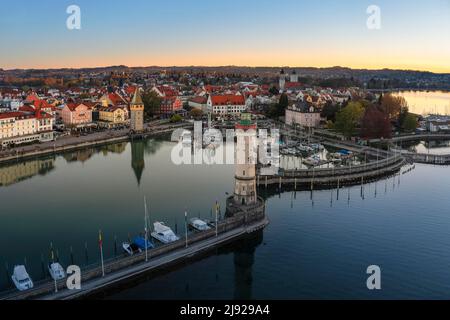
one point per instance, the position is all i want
(74, 106)
(7, 115)
(199, 100)
(116, 99)
(227, 100)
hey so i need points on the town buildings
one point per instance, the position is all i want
(25, 127)
(303, 115)
(227, 104)
(76, 114)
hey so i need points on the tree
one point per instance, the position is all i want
(176, 118)
(274, 91)
(196, 113)
(152, 102)
(392, 106)
(410, 123)
(329, 111)
(349, 118)
(284, 102)
(375, 124)
(278, 109)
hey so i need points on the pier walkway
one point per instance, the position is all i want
(245, 221)
(381, 163)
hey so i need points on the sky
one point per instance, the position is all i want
(414, 34)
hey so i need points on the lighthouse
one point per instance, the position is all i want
(246, 157)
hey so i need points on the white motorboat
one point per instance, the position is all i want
(312, 161)
(199, 224)
(56, 271)
(21, 279)
(163, 233)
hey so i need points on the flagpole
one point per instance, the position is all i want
(53, 261)
(101, 251)
(217, 228)
(146, 229)
(185, 227)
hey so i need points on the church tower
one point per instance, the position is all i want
(246, 157)
(137, 112)
(294, 76)
(282, 80)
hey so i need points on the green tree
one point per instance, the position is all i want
(410, 123)
(329, 111)
(176, 118)
(278, 109)
(152, 103)
(274, 91)
(349, 118)
(284, 102)
(196, 113)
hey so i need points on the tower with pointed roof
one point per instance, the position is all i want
(137, 112)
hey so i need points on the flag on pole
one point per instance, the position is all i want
(52, 254)
(186, 227)
(100, 239)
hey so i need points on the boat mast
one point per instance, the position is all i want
(146, 229)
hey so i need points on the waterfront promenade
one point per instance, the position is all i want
(70, 143)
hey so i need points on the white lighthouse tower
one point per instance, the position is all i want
(246, 157)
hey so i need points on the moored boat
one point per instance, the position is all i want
(56, 271)
(199, 224)
(21, 279)
(163, 233)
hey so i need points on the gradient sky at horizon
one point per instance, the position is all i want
(415, 34)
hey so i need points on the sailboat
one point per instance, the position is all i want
(139, 243)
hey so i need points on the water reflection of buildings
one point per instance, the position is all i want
(16, 173)
(138, 150)
(137, 159)
(86, 154)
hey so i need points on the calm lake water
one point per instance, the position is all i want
(316, 248)
(427, 102)
(428, 147)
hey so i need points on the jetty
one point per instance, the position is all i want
(239, 221)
